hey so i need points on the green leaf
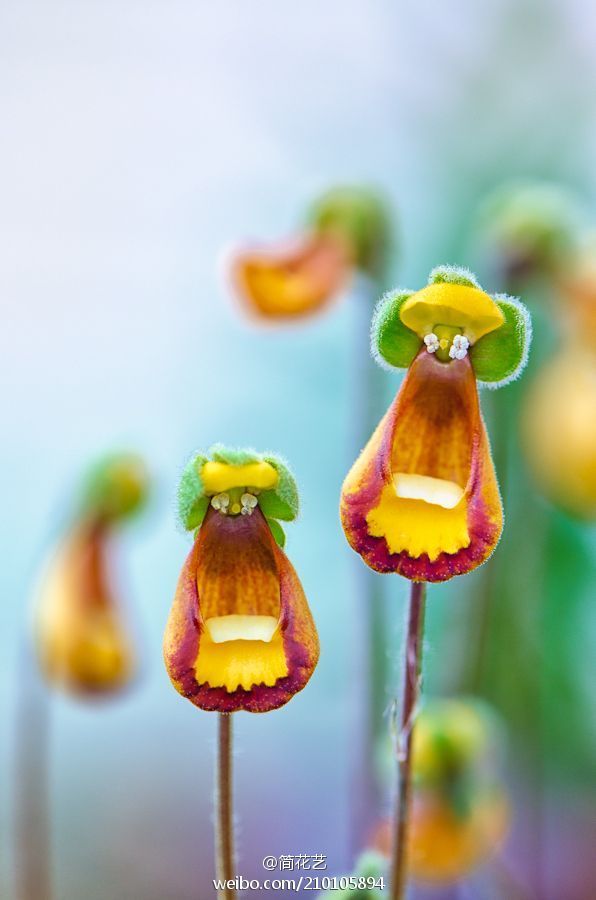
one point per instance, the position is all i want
(500, 357)
(392, 344)
(192, 500)
(277, 532)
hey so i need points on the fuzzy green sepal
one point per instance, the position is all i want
(233, 456)
(277, 532)
(115, 487)
(281, 502)
(192, 500)
(360, 216)
(500, 356)
(393, 345)
(453, 275)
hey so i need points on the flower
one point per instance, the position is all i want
(347, 231)
(422, 500)
(557, 420)
(445, 846)
(559, 430)
(81, 642)
(293, 279)
(460, 812)
(240, 633)
(529, 228)
(576, 292)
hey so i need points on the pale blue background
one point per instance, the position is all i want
(137, 139)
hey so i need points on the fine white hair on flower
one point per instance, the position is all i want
(453, 275)
(525, 332)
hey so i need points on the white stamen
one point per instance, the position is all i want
(432, 342)
(221, 502)
(459, 347)
(248, 501)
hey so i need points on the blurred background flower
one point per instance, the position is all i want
(460, 809)
(81, 639)
(139, 140)
(347, 232)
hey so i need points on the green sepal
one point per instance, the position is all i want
(233, 456)
(115, 487)
(283, 502)
(453, 275)
(360, 216)
(277, 532)
(193, 503)
(500, 356)
(392, 344)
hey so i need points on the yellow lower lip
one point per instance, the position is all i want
(240, 652)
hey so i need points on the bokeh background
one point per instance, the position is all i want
(137, 140)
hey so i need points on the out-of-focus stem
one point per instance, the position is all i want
(32, 801)
(501, 423)
(368, 382)
(507, 882)
(224, 838)
(411, 692)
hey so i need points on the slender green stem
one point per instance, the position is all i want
(224, 841)
(411, 692)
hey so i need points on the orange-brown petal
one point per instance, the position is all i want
(236, 568)
(434, 431)
(292, 280)
(81, 642)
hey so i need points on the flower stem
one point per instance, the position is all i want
(411, 691)
(32, 776)
(367, 403)
(224, 841)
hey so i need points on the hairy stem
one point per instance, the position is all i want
(224, 841)
(411, 691)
